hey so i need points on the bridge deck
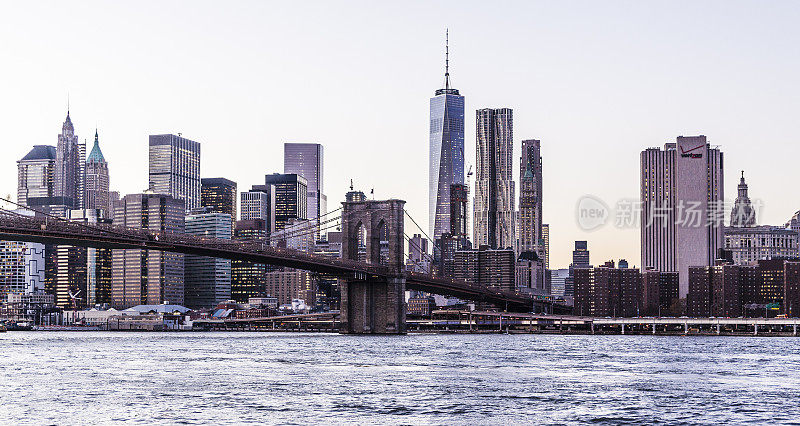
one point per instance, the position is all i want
(15, 227)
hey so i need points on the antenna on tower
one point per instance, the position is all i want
(447, 58)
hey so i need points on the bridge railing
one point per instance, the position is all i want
(11, 221)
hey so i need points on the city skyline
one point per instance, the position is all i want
(125, 133)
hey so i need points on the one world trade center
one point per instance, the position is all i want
(446, 151)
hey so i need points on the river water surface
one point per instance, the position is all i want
(233, 378)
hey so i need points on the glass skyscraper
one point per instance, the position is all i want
(175, 168)
(306, 159)
(446, 152)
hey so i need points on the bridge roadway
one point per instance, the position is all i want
(14, 227)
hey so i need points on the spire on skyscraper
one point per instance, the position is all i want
(96, 156)
(68, 128)
(447, 58)
(447, 90)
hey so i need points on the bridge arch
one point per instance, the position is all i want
(384, 232)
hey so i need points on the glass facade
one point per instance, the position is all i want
(446, 156)
(208, 279)
(291, 197)
(175, 168)
(219, 195)
(35, 174)
(306, 160)
(148, 276)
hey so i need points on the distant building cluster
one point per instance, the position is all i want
(63, 182)
(483, 229)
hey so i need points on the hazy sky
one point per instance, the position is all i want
(597, 82)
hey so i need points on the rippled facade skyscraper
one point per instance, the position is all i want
(494, 184)
(446, 152)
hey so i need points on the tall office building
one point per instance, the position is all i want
(742, 214)
(35, 173)
(82, 275)
(530, 198)
(97, 186)
(67, 177)
(446, 151)
(22, 266)
(459, 196)
(306, 160)
(207, 279)
(494, 183)
(580, 259)
(558, 281)
(218, 195)
(148, 276)
(418, 249)
(259, 203)
(247, 278)
(682, 197)
(175, 168)
(291, 197)
(81, 203)
(546, 242)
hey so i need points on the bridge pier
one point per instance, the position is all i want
(373, 306)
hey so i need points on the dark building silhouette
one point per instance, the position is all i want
(218, 195)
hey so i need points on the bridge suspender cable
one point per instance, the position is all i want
(433, 243)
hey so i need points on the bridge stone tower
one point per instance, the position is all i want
(372, 232)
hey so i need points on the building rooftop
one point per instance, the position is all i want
(163, 308)
(41, 152)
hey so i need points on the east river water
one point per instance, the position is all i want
(234, 378)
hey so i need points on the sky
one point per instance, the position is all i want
(596, 82)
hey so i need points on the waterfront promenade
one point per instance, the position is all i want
(451, 321)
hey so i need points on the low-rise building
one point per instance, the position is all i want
(751, 244)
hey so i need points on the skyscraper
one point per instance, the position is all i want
(291, 193)
(259, 203)
(82, 274)
(494, 184)
(97, 181)
(22, 265)
(67, 173)
(682, 217)
(248, 278)
(306, 159)
(218, 195)
(148, 276)
(546, 240)
(35, 174)
(207, 279)
(446, 151)
(530, 198)
(175, 168)
(580, 259)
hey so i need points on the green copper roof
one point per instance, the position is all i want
(96, 156)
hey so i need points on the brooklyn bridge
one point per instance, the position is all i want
(373, 290)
